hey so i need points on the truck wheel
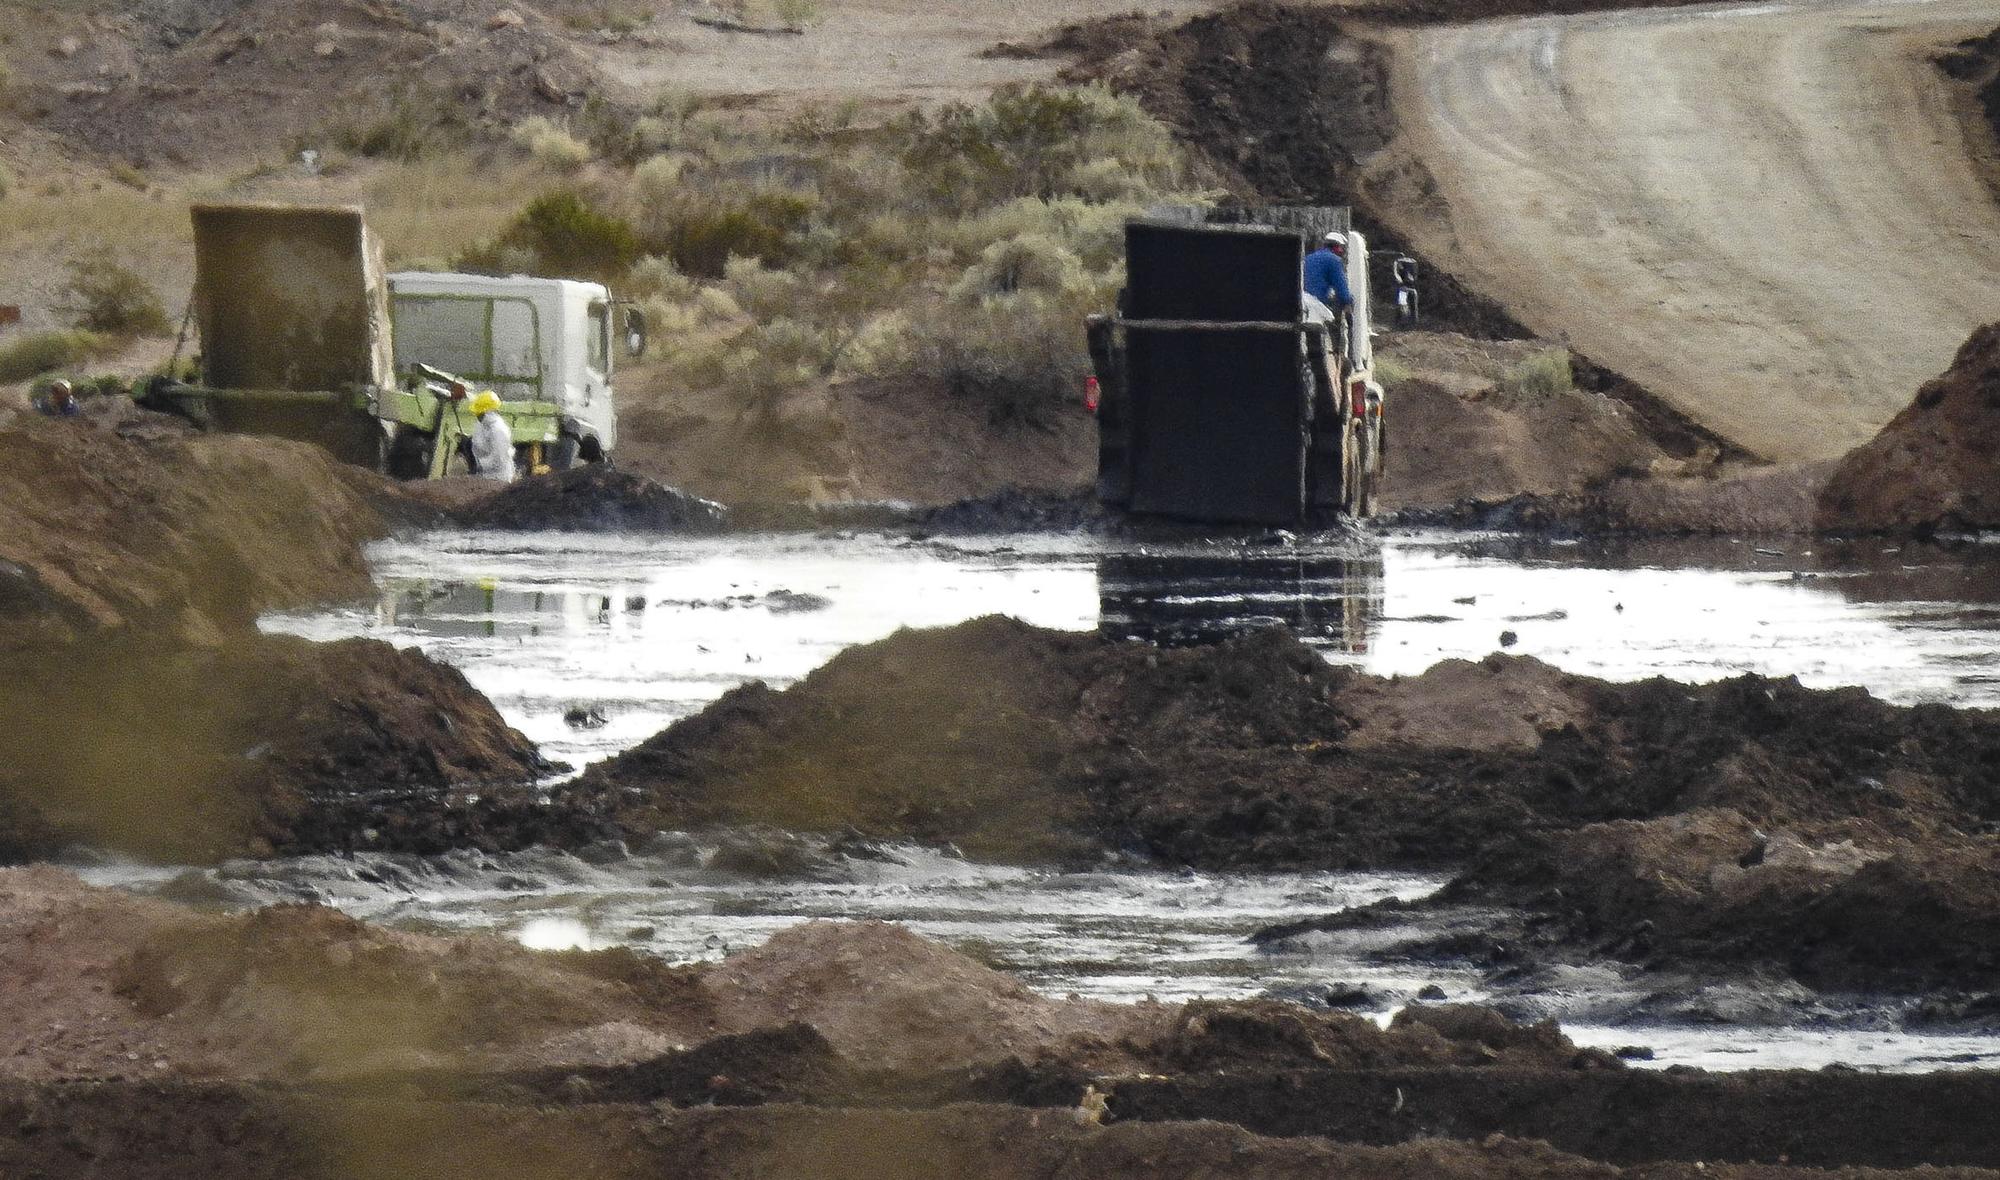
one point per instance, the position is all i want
(409, 456)
(563, 455)
(592, 451)
(1371, 469)
(1351, 460)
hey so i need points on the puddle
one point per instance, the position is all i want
(627, 635)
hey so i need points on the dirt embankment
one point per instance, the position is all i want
(151, 716)
(149, 1040)
(1018, 743)
(1935, 466)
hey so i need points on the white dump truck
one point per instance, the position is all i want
(302, 335)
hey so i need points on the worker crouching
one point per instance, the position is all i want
(492, 440)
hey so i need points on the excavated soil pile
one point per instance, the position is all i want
(179, 537)
(1847, 906)
(594, 498)
(1018, 743)
(1936, 465)
(135, 558)
(260, 744)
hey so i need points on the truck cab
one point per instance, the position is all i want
(544, 342)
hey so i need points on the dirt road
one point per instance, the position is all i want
(1767, 214)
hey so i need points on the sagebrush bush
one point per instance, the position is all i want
(412, 123)
(551, 145)
(559, 233)
(657, 276)
(1031, 263)
(765, 293)
(103, 296)
(1545, 373)
(45, 352)
(703, 231)
(1021, 360)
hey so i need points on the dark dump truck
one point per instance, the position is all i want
(1222, 397)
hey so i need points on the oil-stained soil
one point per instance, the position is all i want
(146, 1039)
(593, 498)
(1750, 821)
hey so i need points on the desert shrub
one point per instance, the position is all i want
(1028, 142)
(1390, 371)
(102, 296)
(1021, 359)
(797, 14)
(704, 231)
(654, 276)
(561, 232)
(658, 178)
(412, 124)
(1545, 373)
(765, 293)
(1032, 262)
(550, 145)
(45, 352)
(714, 303)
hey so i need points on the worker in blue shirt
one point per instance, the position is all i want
(1326, 273)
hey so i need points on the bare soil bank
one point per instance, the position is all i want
(148, 714)
(1571, 797)
(148, 1040)
(122, 519)
(1932, 469)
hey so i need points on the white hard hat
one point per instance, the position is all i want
(1336, 238)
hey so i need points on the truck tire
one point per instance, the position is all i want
(564, 454)
(409, 455)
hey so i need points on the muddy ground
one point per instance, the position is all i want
(1825, 834)
(151, 1040)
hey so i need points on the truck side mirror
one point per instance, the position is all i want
(635, 333)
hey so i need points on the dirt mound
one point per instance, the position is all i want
(1270, 1035)
(594, 498)
(1936, 465)
(178, 537)
(1021, 743)
(884, 997)
(258, 744)
(1848, 908)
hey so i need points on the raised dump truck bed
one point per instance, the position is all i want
(1221, 401)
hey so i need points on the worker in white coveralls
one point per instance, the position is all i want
(492, 440)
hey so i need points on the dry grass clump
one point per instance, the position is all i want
(46, 352)
(106, 297)
(551, 145)
(1542, 375)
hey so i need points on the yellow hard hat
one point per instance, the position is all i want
(487, 400)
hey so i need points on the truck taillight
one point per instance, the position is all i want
(1091, 394)
(1357, 392)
